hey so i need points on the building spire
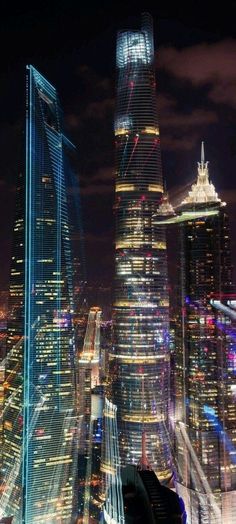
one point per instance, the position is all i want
(202, 154)
(203, 166)
(202, 191)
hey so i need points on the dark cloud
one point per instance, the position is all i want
(101, 182)
(89, 122)
(179, 143)
(229, 196)
(179, 130)
(172, 118)
(92, 238)
(100, 109)
(209, 64)
(94, 110)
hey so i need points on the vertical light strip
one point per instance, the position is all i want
(27, 294)
(114, 507)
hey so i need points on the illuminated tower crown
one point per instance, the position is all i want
(202, 190)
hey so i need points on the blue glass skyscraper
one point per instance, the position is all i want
(39, 456)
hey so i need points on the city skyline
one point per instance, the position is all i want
(86, 88)
(118, 363)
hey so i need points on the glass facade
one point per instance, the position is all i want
(113, 508)
(139, 362)
(203, 368)
(39, 454)
(89, 411)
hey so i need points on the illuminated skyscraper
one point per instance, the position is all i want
(39, 454)
(89, 409)
(204, 364)
(113, 508)
(140, 361)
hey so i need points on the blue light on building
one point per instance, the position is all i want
(39, 455)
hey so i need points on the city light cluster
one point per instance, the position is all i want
(131, 419)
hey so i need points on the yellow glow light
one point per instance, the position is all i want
(151, 130)
(125, 187)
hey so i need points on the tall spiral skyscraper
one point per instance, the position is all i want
(139, 371)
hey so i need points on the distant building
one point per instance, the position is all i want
(2, 378)
(203, 373)
(90, 408)
(106, 348)
(39, 422)
(89, 373)
(3, 322)
(111, 488)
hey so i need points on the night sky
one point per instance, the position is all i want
(74, 47)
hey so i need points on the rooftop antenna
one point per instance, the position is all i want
(203, 166)
(202, 153)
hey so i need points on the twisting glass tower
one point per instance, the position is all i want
(140, 360)
(39, 458)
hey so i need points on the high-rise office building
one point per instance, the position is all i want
(39, 423)
(203, 374)
(139, 372)
(113, 507)
(89, 411)
(2, 377)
